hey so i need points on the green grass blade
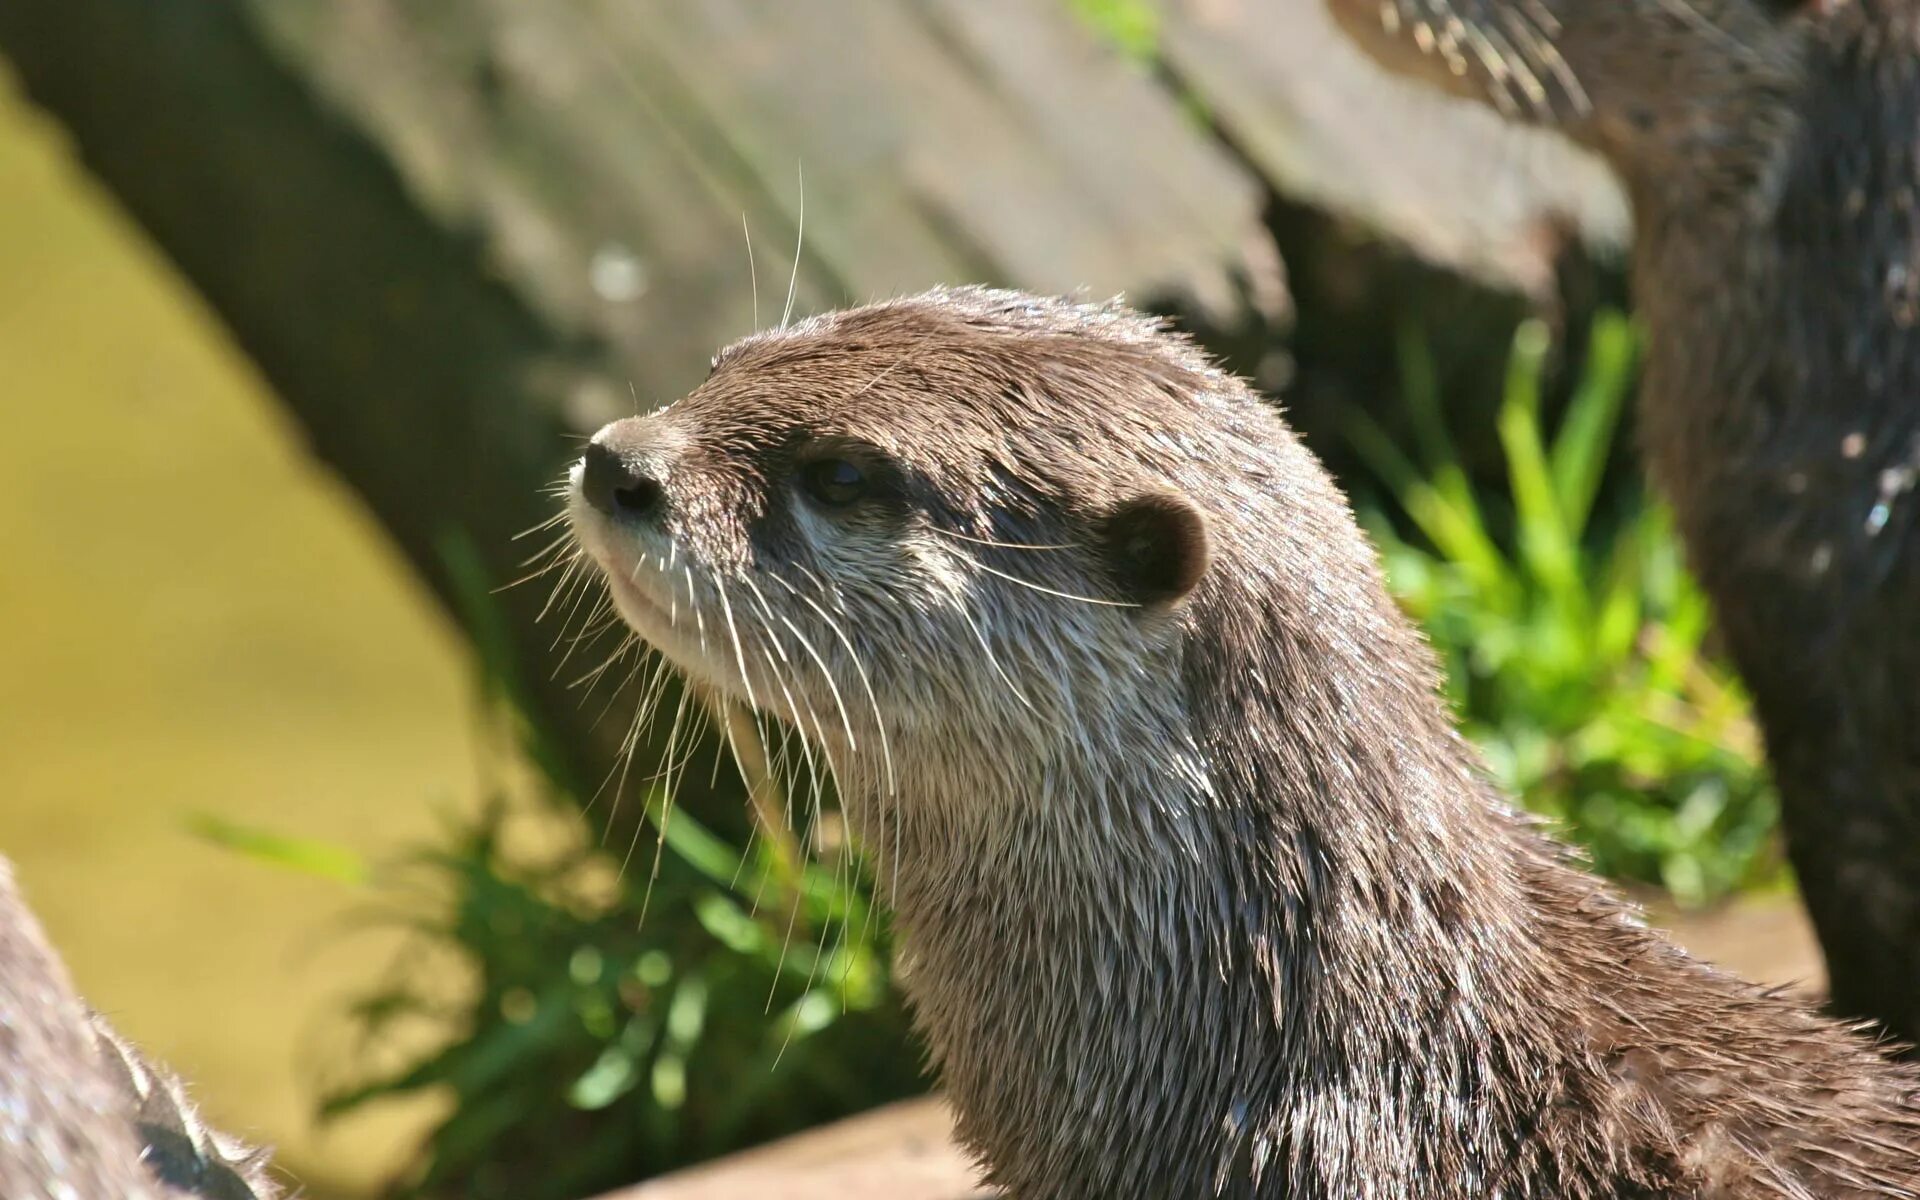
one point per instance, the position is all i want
(305, 855)
(1579, 456)
(1457, 533)
(1420, 392)
(1548, 547)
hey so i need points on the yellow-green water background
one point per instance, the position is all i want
(195, 618)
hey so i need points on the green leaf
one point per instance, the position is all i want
(309, 856)
(1456, 532)
(1580, 448)
(1547, 544)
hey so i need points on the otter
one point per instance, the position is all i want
(84, 1115)
(1768, 149)
(1199, 892)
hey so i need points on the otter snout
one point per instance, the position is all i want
(620, 476)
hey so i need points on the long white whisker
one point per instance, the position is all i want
(1026, 583)
(799, 240)
(549, 523)
(866, 684)
(994, 662)
(880, 724)
(753, 272)
(978, 541)
(733, 634)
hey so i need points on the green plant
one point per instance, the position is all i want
(1574, 646)
(621, 1023)
(1130, 27)
(596, 1014)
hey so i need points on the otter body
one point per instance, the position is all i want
(1772, 154)
(83, 1114)
(1200, 894)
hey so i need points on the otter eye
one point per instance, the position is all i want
(834, 482)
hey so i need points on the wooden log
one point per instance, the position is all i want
(454, 237)
(1446, 179)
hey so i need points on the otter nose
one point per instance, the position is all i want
(619, 484)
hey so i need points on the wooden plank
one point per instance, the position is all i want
(1447, 178)
(939, 143)
(903, 1151)
(457, 234)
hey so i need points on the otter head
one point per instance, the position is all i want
(923, 534)
(1661, 88)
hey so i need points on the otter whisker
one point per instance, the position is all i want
(906, 359)
(733, 634)
(815, 804)
(787, 795)
(772, 637)
(629, 748)
(753, 830)
(564, 557)
(530, 576)
(559, 490)
(1026, 583)
(666, 791)
(980, 541)
(816, 776)
(994, 662)
(826, 674)
(753, 272)
(614, 695)
(675, 773)
(763, 791)
(579, 585)
(559, 542)
(853, 656)
(569, 577)
(816, 801)
(617, 777)
(589, 680)
(1543, 17)
(699, 620)
(779, 679)
(799, 240)
(600, 618)
(860, 670)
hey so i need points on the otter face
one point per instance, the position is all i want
(1637, 80)
(930, 518)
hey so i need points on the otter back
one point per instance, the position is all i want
(83, 1115)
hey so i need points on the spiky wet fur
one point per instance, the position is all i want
(84, 1115)
(1770, 151)
(1204, 899)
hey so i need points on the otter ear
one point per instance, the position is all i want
(1156, 547)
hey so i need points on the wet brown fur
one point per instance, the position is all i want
(1201, 897)
(1771, 149)
(83, 1114)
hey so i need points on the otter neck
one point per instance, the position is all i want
(1216, 937)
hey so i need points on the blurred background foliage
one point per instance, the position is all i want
(223, 641)
(1573, 639)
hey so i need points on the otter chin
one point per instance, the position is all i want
(1198, 890)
